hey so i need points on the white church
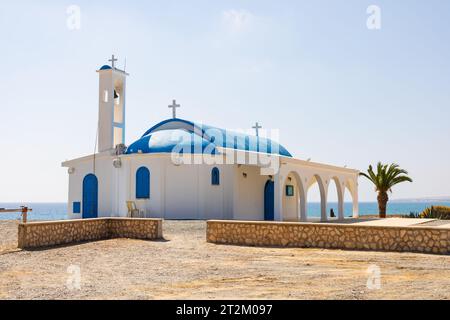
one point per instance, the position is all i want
(179, 169)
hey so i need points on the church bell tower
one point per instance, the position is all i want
(112, 94)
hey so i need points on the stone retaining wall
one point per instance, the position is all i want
(326, 235)
(50, 233)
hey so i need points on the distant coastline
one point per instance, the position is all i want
(58, 210)
(422, 200)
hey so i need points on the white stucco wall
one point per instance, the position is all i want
(291, 204)
(186, 192)
(249, 193)
(176, 191)
(104, 173)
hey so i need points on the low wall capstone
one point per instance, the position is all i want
(51, 233)
(329, 236)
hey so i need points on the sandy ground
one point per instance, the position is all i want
(184, 266)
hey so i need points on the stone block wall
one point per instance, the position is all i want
(332, 236)
(135, 228)
(51, 233)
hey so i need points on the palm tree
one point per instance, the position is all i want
(386, 177)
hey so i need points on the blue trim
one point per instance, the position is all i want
(142, 183)
(215, 176)
(90, 196)
(269, 201)
(76, 207)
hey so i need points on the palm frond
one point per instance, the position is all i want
(386, 176)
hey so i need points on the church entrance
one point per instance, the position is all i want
(269, 198)
(90, 197)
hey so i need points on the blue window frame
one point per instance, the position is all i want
(289, 190)
(76, 207)
(142, 183)
(215, 176)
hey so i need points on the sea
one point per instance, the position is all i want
(58, 211)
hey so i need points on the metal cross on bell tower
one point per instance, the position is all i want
(257, 127)
(174, 107)
(113, 60)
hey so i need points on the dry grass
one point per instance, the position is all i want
(186, 267)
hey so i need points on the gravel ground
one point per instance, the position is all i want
(184, 266)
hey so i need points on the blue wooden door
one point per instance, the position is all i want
(269, 198)
(90, 197)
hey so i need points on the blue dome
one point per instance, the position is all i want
(166, 141)
(105, 67)
(182, 136)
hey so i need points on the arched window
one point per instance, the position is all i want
(142, 183)
(215, 176)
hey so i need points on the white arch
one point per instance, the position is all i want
(323, 195)
(340, 194)
(352, 187)
(306, 175)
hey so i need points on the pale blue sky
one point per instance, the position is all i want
(338, 92)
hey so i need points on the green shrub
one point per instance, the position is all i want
(436, 212)
(412, 215)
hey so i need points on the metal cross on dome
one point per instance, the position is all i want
(174, 107)
(112, 60)
(257, 127)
